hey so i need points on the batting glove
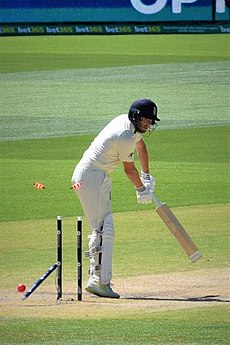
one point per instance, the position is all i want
(144, 195)
(148, 180)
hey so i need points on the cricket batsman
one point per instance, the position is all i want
(116, 143)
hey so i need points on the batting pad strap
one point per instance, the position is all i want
(97, 268)
(93, 251)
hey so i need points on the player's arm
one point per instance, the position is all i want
(142, 152)
(132, 174)
(143, 155)
(144, 194)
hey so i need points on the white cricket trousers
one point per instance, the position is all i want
(94, 194)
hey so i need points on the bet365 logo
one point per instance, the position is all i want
(158, 5)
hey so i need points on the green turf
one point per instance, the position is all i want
(197, 326)
(186, 75)
(193, 169)
(81, 101)
(28, 248)
(50, 52)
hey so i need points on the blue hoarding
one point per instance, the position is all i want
(44, 11)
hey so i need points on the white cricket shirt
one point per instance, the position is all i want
(115, 143)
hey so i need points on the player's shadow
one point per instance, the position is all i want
(208, 298)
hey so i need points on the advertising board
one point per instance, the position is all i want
(112, 11)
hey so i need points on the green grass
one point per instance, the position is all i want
(47, 53)
(28, 248)
(192, 170)
(197, 326)
(56, 93)
(81, 101)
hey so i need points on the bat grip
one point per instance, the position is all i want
(157, 201)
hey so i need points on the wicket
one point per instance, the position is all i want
(40, 280)
(78, 254)
(79, 258)
(59, 257)
(59, 265)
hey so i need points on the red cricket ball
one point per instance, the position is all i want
(21, 287)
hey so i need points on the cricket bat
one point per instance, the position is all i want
(177, 230)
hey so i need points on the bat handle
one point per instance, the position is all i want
(157, 201)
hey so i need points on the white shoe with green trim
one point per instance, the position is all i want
(102, 290)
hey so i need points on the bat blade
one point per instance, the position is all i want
(178, 232)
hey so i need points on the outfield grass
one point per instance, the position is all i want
(56, 93)
(193, 169)
(55, 52)
(143, 245)
(198, 326)
(62, 103)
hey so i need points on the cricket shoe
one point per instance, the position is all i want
(102, 290)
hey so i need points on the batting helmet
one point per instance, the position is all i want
(142, 107)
